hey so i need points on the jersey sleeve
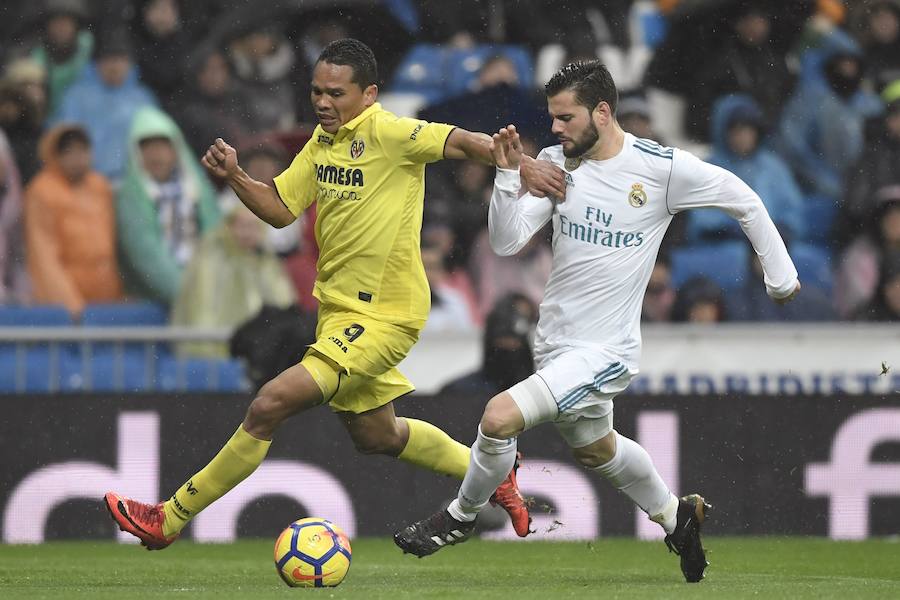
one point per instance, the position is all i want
(694, 183)
(512, 220)
(297, 184)
(414, 141)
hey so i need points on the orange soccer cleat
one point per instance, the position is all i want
(510, 499)
(144, 521)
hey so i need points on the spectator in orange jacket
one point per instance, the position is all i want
(70, 226)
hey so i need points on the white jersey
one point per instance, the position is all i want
(606, 235)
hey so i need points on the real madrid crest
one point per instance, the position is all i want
(357, 147)
(637, 197)
(573, 163)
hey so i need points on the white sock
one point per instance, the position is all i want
(632, 471)
(491, 462)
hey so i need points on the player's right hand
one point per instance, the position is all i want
(506, 148)
(221, 159)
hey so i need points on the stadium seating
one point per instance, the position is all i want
(438, 73)
(726, 263)
(819, 214)
(38, 366)
(123, 366)
(124, 315)
(813, 264)
(200, 375)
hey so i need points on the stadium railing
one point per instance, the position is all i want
(123, 359)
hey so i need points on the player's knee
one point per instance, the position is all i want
(597, 454)
(378, 442)
(499, 421)
(591, 460)
(269, 408)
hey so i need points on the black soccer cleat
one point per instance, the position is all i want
(430, 535)
(685, 540)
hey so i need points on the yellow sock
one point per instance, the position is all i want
(240, 457)
(433, 449)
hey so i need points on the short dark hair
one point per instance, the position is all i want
(591, 82)
(71, 137)
(357, 56)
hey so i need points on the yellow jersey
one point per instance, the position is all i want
(369, 182)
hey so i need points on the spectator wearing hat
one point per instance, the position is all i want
(70, 226)
(878, 168)
(29, 76)
(737, 131)
(858, 269)
(105, 99)
(65, 46)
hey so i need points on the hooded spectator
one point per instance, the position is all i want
(822, 127)
(506, 356)
(71, 226)
(737, 132)
(164, 206)
(230, 277)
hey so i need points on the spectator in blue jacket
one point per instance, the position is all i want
(104, 100)
(822, 126)
(737, 131)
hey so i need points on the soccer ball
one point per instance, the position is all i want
(312, 552)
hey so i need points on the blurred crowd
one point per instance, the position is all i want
(104, 113)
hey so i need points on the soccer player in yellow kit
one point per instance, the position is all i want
(365, 169)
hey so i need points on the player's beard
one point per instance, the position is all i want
(584, 143)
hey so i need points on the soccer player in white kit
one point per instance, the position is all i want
(621, 196)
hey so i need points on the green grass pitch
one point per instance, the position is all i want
(609, 568)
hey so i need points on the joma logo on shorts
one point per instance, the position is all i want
(338, 343)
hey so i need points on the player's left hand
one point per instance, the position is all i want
(543, 178)
(789, 297)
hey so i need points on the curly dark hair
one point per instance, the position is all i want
(357, 56)
(591, 82)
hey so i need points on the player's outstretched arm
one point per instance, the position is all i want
(221, 161)
(542, 178)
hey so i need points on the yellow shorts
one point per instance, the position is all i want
(367, 352)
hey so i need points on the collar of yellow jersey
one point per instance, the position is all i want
(353, 124)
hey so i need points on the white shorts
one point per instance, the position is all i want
(575, 391)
